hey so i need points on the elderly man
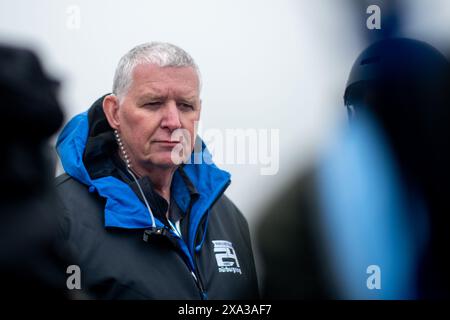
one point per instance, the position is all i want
(144, 213)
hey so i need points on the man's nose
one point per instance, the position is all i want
(171, 117)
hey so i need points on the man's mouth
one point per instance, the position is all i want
(167, 142)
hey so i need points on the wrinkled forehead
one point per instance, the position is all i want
(153, 79)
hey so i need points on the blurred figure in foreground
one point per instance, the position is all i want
(370, 219)
(31, 266)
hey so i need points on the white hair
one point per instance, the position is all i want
(159, 53)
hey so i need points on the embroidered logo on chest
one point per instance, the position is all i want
(226, 257)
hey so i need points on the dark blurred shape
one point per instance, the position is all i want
(292, 250)
(405, 84)
(30, 115)
(32, 263)
(378, 195)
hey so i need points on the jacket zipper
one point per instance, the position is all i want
(200, 286)
(194, 274)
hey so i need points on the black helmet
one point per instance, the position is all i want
(393, 65)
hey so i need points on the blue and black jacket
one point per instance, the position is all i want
(105, 222)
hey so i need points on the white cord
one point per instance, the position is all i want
(143, 196)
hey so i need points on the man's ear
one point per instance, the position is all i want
(111, 108)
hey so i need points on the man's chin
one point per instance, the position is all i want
(165, 163)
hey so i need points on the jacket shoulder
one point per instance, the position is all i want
(65, 181)
(61, 179)
(74, 194)
(228, 215)
(80, 207)
(225, 205)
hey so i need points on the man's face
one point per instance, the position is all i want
(160, 101)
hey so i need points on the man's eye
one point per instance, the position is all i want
(186, 106)
(153, 104)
